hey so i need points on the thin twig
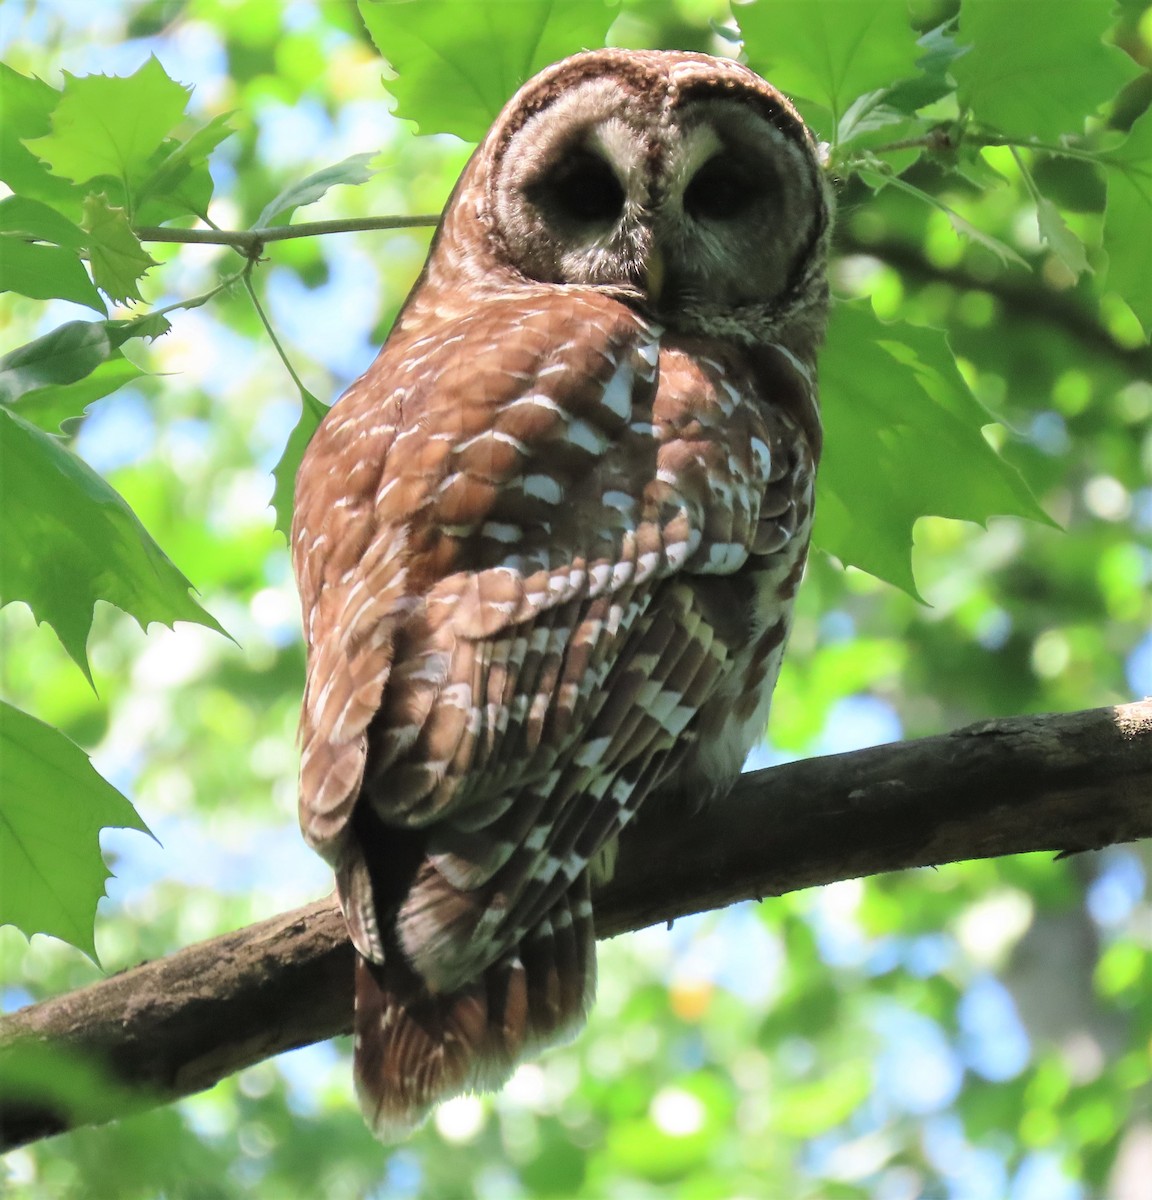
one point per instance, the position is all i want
(943, 139)
(251, 241)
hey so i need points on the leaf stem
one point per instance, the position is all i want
(1026, 175)
(1002, 251)
(195, 301)
(246, 275)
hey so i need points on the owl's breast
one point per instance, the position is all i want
(762, 505)
(735, 717)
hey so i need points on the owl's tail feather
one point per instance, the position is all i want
(415, 1048)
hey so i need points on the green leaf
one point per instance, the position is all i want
(1054, 232)
(118, 260)
(1035, 68)
(829, 51)
(870, 124)
(971, 163)
(150, 325)
(108, 125)
(40, 222)
(868, 115)
(939, 51)
(180, 181)
(352, 170)
(284, 473)
(45, 272)
(458, 62)
(53, 805)
(64, 355)
(1128, 221)
(48, 407)
(902, 441)
(68, 539)
(26, 104)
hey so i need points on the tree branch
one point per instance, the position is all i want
(166, 1029)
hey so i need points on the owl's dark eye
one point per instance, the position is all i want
(720, 190)
(583, 188)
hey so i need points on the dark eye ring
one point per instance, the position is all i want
(583, 189)
(722, 189)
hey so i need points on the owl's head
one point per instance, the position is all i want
(685, 183)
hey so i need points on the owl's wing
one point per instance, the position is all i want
(490, 529)
(402, 524)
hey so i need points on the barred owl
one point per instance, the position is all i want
(547, 545)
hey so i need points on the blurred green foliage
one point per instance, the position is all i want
(981, 1030)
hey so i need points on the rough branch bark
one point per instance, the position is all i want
(1070, 782)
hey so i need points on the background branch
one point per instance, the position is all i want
(1066, 783)
(1024, 295)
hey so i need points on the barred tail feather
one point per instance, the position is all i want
(415, 1048)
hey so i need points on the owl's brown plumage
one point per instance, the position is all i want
(547, 545)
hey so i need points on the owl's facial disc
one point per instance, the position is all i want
(681, 203)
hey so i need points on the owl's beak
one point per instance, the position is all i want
(654, 281)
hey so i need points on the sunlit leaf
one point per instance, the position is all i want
(827, 51)
(932, 82)
(457, 61)
(108, 125)
(27, 104)
(118, 260)
(53, 805)
(284, 473)
(352, 170)
(902, 441)
(149, 325)
(1128, 221)
(971, 163)
(68, 539)
(1054, 232)
(1037, 69)
(170, 188)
